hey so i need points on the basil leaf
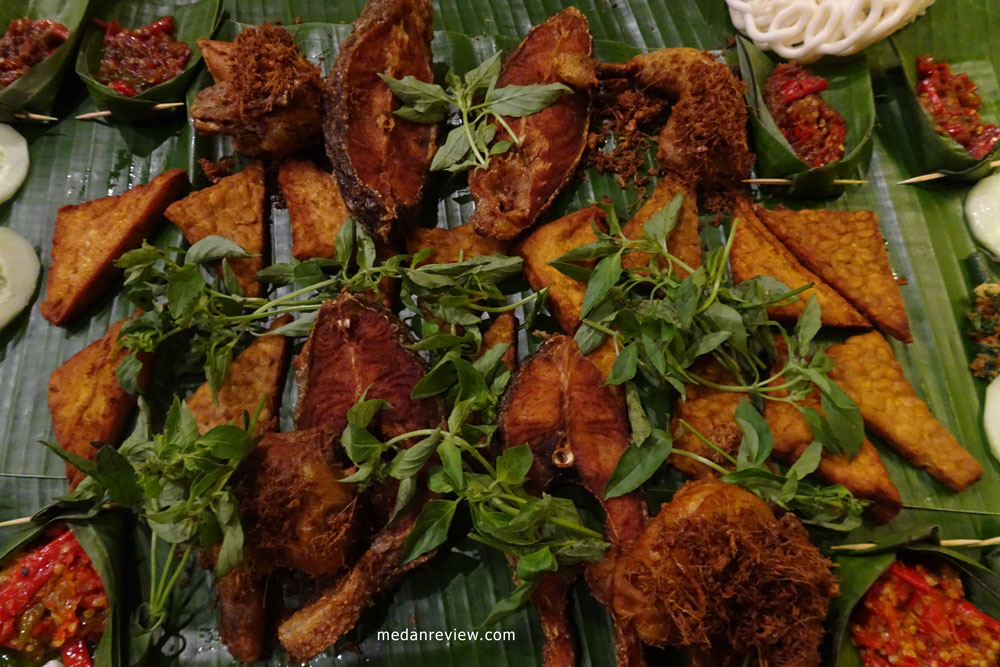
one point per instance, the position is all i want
(484, 75)
(808, 324)
(117, 476)
(359, 444)
(844, 417)
(278, 274)
(513, 465)
(405, 494)
(408, 462)
(660, 225)
(604, 277)
(637, 464)
(344, 242)
(412, 90)
(213, 248)
(510, 604)
(642, 428)
(758, 441)
(430, 530)
(451, 461)
(361, 413)
(516, 101)
(807, 463)
(456, 146)
(127, 374)
(297, 329)
(184, 290)
(231, 550)
(625, 365)
(535, 564)
(227, 442)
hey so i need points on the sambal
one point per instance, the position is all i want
(814, 129)
(136, 60)
(953, 103)
(26, 43)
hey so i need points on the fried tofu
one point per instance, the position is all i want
(232, 208)
(711, 412)
(865, 368)
(257, 373)
(502, 330)
(90, 236)
(684, 242)
(551, 241)
(314, 206)
(86, 401)
(846, 249)
(453, 245)
(756, 252)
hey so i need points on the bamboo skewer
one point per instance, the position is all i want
(934, 176)
(993, 541)
(35, 116)
(785, 181)
(105, 114)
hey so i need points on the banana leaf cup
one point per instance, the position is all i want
(194, 21)
(850, 94)
(36, 90)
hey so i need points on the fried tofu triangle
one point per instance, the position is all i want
(866, 369)
(232, 208)
(86, 401)
(90, 236)
(315, 208)
(519, 184)
(684, 242)
(381, 161)
(756, 252)
(846, 249)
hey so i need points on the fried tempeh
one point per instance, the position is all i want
(315, 208)
(86, 401)
(452, 245)
(711, 412)
(866, 369)
(503, 330)
(90, 236)
(257, 373)
(550, 241)
(684, 242)
(846, 249)
(232, 208)
(756, 252)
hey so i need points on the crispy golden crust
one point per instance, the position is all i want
(86, 402)
(711, 412)
(551, 599)
(604, 356)
(550, 241)
(90, 236)
(684, 242)
(233, 208)
(756, 252)
(520, 184)
(315, 208)
(503, 330)
(866, 369)
(846, 249)
(452, 245)
(242, 614)
(257, 373)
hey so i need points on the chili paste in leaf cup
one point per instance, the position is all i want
(849, 93)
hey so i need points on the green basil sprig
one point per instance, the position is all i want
(35, 91)
(194, 21)
(850, 93)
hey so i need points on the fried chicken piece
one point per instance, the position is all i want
(551, 241)
(266, 96)
(315, 208)
(756, 252)
(452, 245)
(867, 371)
(90, 236)
(86, 401)
(711, 412)
(519, 184)
(847, 250)
(502, 330)
(257, 373)
(684, 242)
(716, 571)
(232, 208)
(243, 616)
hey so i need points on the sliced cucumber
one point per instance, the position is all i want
(982, 210)
(18, 274)
(13, 161)
(991, 416)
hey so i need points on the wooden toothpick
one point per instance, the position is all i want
(105, 114)
(977, 544)
(934, 176)
(785, 181)
(35, 116)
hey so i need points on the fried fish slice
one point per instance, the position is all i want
(90, 236)
(382, 161)
(684, 242)
(711, 412)
(756, 252)
(866, 369)
(315, 208)
(86, 401)
(846, 249)
(519, 185)
(232, 208)
(257, 373)
(551, 241)
(452, 245)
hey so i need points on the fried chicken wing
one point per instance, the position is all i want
(315, 208)
(684, 242)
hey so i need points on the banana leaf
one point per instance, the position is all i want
(36, 90)
(850, 94)
(194, 21)
(961, 36)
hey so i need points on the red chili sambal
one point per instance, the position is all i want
(815, 131)
(52, 599)
(953, 103)
(26, 43)
(136, 60)
(917, 616)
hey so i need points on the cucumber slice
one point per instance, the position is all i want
(19, 268)
(991, 416)
(982, 210)
(13, 161)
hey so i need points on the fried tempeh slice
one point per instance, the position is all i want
(86, 401)
(315, 208)
(846, 249)
(711, 412)
(232, 208)
(684, 242)
(756, 252)
(257, 373)
(502, 330)
(452, 245)
(519, 185)
(551, 241)
(90, 236)
(866, 369)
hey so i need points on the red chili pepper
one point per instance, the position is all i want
(122, 88)
(76, 654)
(797, 89)
(969, 610)
(34, 570)
(912, 577)
(871, 660)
